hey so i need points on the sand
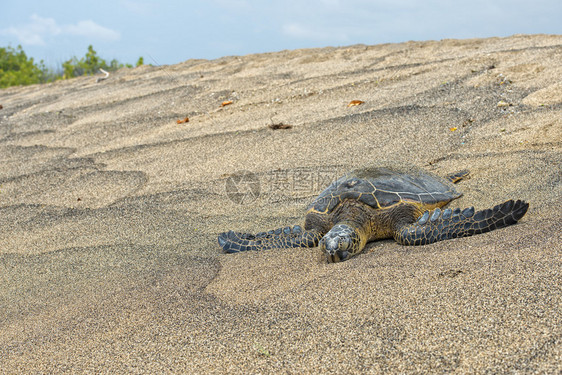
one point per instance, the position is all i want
(110, 210)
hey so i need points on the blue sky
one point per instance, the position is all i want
(168, 32)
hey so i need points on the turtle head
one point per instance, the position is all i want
(340, 243)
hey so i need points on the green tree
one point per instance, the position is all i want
(17, 69)
(88, 65)
(92, 62)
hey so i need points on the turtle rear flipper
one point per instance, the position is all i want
(457, 176)
(234, 242)
(439, 225)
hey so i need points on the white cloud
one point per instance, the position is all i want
(47, 25)
(91, 29)
(35, 32)
(32, 33)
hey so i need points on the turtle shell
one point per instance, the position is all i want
(384, 187)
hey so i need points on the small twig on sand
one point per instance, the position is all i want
(102, 78)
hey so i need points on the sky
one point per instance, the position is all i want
(169, 32)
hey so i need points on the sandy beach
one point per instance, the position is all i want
(110, 211)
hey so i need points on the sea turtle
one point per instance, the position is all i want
(377, 203)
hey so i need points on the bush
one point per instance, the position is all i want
(87, 65)
(17, 69)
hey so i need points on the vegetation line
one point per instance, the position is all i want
(17, 69)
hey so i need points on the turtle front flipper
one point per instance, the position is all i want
(439, 225)
(234, 242)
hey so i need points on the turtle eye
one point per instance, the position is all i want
(344, 243)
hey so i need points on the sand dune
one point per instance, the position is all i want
(110, 209)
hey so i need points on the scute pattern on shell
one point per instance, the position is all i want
(384, 187)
